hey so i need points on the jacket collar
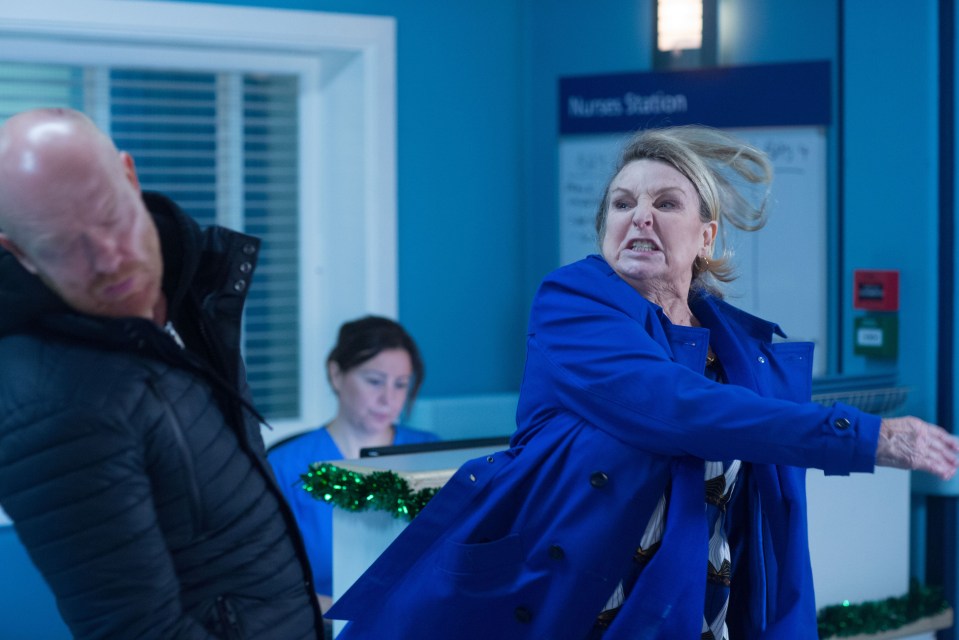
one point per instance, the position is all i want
(704, 303)
(181, 241)
(23, 297)
(737, 338)
(734, 334)
(709, 306)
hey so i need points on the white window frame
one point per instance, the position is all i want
(347, 66)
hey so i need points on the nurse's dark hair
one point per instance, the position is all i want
(365, 338)
(732, 179)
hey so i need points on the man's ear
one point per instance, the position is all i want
(130, 169)
(21, 257)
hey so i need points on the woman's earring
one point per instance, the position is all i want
(702, 263)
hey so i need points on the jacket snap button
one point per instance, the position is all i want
(761, 359)
(556, 552)
(523, 615)
(489, 458)
(598, 479)
(239, 285)
(842, 423)
(246, 267)
(249, 249)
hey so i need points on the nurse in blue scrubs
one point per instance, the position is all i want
(655, 485)
(375, 370)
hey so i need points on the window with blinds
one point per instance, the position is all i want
(224, 146)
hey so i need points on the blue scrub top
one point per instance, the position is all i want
(290, 460)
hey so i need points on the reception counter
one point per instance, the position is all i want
(359, 537)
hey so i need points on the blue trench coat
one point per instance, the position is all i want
(530, 542)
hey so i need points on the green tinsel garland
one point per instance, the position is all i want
(844, 620)
(386, 491)
(379, 490)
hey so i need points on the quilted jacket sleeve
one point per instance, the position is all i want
(590, 353)
(75, 482)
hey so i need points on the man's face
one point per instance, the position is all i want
(96, 247)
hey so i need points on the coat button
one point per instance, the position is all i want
(249, 249)
(556, 552)
(523, 615)
(842, 423)
(246, 267)
(761, 359)
(239, 285)
(598, 479)
(489, 459)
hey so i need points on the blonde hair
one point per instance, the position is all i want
(731, 177)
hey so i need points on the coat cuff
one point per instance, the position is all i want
(853, 436)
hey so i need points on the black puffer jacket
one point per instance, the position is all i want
(134, 470)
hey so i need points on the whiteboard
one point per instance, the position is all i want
(782, 268)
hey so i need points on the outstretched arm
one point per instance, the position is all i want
(592, 354)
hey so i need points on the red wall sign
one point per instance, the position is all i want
(875, 290)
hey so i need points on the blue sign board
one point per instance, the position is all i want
(752, 96)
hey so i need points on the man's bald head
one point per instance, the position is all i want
(46, 155)
(71, 212)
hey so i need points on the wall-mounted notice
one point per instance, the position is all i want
(782, 109)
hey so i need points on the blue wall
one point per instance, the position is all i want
(478, 193)
(891, 177)
(27, 608)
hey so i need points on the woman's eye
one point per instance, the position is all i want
(620, 204)
(376, 382)
(667, 204)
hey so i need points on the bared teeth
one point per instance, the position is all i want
(642, 245)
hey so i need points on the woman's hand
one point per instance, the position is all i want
(910, 443)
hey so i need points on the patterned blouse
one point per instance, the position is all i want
(720, 478)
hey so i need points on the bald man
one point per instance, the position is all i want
(131, 460)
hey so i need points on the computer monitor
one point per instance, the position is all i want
(437, 445)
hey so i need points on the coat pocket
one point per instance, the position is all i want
(481, 557)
